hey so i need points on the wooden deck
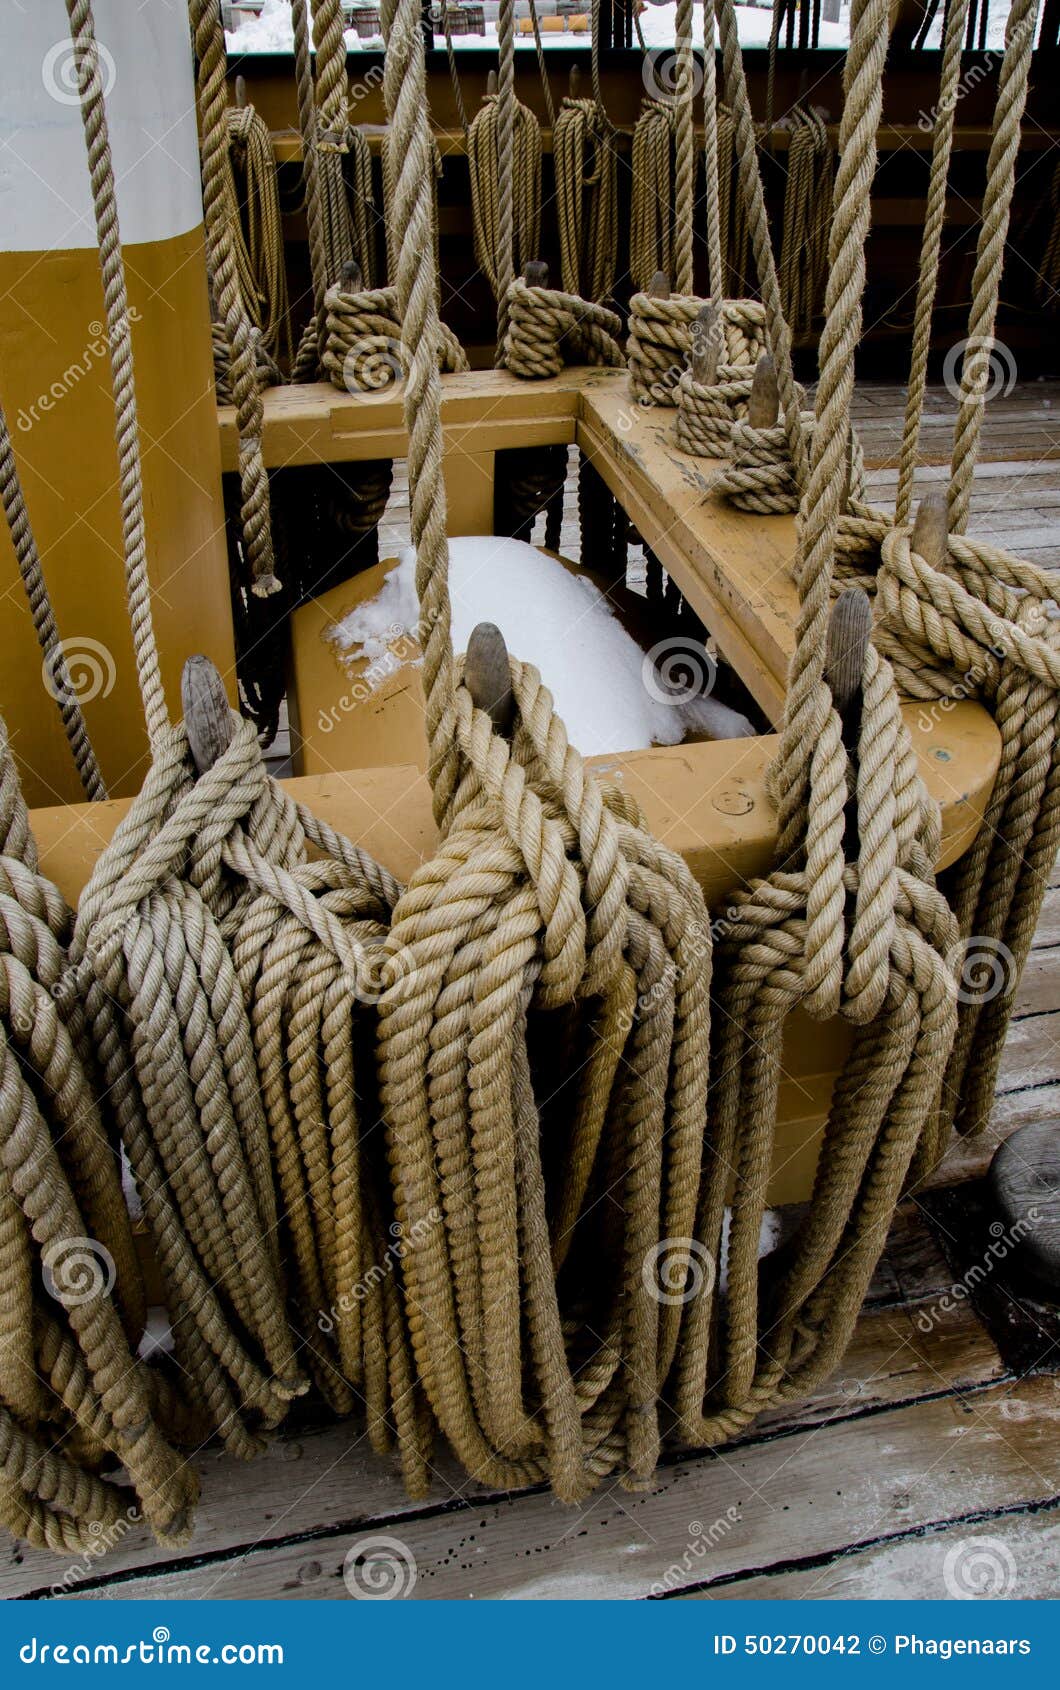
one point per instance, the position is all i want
(938, 1438)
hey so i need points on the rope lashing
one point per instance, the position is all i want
(759, 475)
(586, 169)
(711, 157)
(850, 923)
(726, 343)
(266, 370)
(73, 1397)
(548, 329)
(660, 338)
(364, 350)
(483, 147)
(219, 199)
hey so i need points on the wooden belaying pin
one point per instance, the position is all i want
(352, 277)
(763, 404)
(575, 84)
(207, 712)
(930, 536)
(535, 274)
(491, 82)
(659, 286)
(241, 92)
(706, 347)
(849, 632)
(488, 675)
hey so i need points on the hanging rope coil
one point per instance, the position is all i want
(72, 1393)
(548, 329)
(483, 144)
(586, 169)
(651, 199)
(365, 351)
(760, 476)
(803, 267)
(258, 229)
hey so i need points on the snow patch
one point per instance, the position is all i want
(559, 622)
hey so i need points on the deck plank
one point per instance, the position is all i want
(749, 1508)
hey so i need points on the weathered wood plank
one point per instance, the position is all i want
(327, 1477)
(1021, 1551)
(898, 1471)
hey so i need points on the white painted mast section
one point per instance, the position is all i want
(147, 76)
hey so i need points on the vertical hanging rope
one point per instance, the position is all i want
(259, 247)
(754, 199)
(990, 254)
(711, 182)
(684, 152)
(119, 339)
(57, 674)
(931, 246)
(218, 196)
(505, 167)
(823, 483)
(651, 195)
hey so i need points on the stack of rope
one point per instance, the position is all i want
(713, 392)
(548, 329)
(660, 339)
(365, 351)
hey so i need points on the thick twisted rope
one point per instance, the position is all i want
(364, 350)
(218, 199)
(711, 178)
(823, 486)
(651, 194)
(931, 247)
(259, 250)
(119, 339)
(745, 144)
(807, 207)
(660, 338)
(684, 151)
(990, 254)
(72, 1394)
